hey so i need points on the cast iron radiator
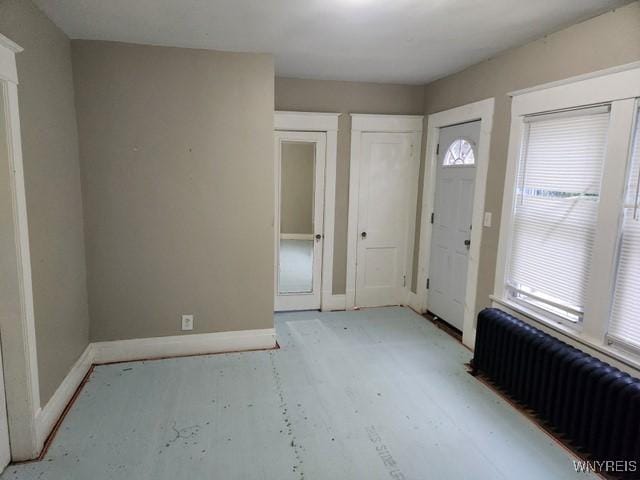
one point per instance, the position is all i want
(590, 405)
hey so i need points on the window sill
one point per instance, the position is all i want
(628, 360)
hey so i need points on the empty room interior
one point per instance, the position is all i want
(322, 239)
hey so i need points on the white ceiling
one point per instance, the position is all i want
(403, 41)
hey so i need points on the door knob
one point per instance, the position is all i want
(318, 236)
(363, 234)
(467, 242)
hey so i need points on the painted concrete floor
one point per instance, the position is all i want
(374, 394)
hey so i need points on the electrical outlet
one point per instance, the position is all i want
(187, 322)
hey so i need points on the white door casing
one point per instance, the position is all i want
(388, 178)
(20, 363)
(5, 449)
(361, 125)
(483, 111)
(328, 124)
(302, 300)
(451, 229)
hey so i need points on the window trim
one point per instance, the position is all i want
(619, 87)
(608, 339)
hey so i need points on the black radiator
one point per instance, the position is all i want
(591, 405)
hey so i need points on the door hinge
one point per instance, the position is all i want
(438, 149)
(404, 280)
(432, 216)
(412, 146)
(428, 283)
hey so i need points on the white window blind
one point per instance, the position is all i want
(554, 222)
(624, 325)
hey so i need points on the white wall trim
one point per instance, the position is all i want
(183, 345)
(386, 123)
(296, 236)
(483, 111)
(361, 123)
(19, 339)
(8, 49)
(327, 123)
(576, 78)
(620, 88)
(9, 44)
(48, 416)
(333, 302)
(144, 349)
(301, 300)
(306, 121)
(603, 88)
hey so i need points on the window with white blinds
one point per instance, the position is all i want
(555, 213)
(624, 326)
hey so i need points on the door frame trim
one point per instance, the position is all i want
(367, 123)
(483, 111)
(327, 123)
(20, 360)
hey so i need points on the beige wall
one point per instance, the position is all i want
(296, 187)
(52, 182)
(177, 166)
(346, 97)
(608, 40)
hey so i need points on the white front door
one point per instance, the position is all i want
(451, 220)
(386, 217)
(299, 168)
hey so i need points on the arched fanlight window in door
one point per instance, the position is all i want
(460, 152)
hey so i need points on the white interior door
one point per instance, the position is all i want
(386, 217)
(455, 183)
(299, 167)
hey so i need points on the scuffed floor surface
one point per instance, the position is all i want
(374, 394)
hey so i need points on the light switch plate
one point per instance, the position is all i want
(487, 219)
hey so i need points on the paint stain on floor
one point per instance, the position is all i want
(376, 394)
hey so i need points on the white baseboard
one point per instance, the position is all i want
(331, 302)
(48, 416)
(139, 349)
(180, 345)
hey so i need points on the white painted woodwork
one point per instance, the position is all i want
(452, 218)
(5, 449)
(20, 362)
(386, 211)
(302, 300)
(328, 124)
(482, 110)
(619, 87)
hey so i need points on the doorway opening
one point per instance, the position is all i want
(453, 216)
(300, 165)
(305, 181)
(451, 221)
(383, 189)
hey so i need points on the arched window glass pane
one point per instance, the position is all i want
(460, 152)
